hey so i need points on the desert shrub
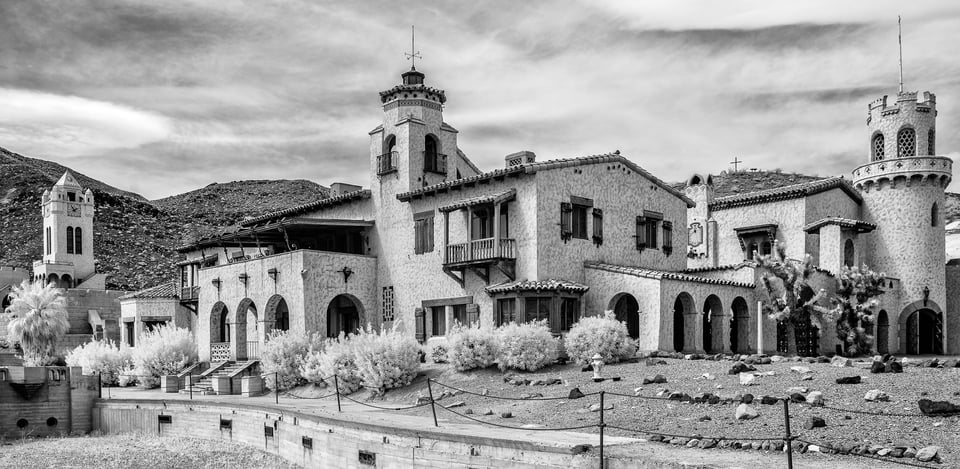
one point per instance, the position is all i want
(37, 319)
(472, 347)
(163, 351)
(386, 360)
(336, 358)
(439, 353)
(528, 346)
(103, 358)
(283, 354)
(599, 334)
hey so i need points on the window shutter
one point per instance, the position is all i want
(597, 226)
(566, 220)
(430, 234)
(667, 238)
(641, 233)
(473, 314)
(421, 325)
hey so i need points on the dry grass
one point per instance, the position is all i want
(134, 451)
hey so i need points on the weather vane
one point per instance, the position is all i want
(414, 53)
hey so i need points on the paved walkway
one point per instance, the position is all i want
(619, 451)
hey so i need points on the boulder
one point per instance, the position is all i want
(876, 395)
(801, 369)
(814, 422)
(746, 399)
(658, 379)
(596, 407)
(506, 415)
(455, 404)
(848, 380)
(740, 367)
(745, 412)
(815, 398)
(841, 362)
(884, 451)
(951, 363)
(487, 412)
(806, 378)
(575, 393)
(823, 359)
(637, 390)
(928, 454)
(797, 398)
(929, 407)
(708, 443)
(776, 359)
(799, 389)
(910, 452)
(747, 379)
(768, 400)
(894, 367)
(878, 367)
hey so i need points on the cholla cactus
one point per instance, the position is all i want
(854, 307)
(37, 320)
(786, 293)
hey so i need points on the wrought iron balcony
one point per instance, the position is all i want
(387, 163)
(481, 251)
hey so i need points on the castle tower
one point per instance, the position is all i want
(903, 194)
(67, 234)
(413, 147)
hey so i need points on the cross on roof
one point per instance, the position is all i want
(736, 163)
(414, 54)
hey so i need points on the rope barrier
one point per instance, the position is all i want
(518, 428)
(699, 437)
(294, 396)
(871, 456)
(867, 412)
(384, 408)
(551, 398)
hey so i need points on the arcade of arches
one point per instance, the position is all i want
(711, 328)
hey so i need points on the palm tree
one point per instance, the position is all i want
(37, 320)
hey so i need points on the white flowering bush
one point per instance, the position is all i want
(599, 334)
(438, 353)
(528, 346)
(102, 358)
(337, 357)
(472, 346)
(386, 360)
(283, 354)
(163, 351)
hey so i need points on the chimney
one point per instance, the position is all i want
(340, 188)
(520, 157)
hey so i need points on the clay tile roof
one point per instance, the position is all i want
(530, 168)
(859, 225)
(664, 275)
(538, 285)
(480, 199)
(322, 203)
(711, 268)
(793, 191)
(164, 290)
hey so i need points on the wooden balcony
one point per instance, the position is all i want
(480, 251)
(189, 294)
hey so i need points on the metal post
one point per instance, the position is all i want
(276, 387)
(99, 385)
(601, 429)
(336, 384)
(432, 406)
(789, 439)
(190, 385)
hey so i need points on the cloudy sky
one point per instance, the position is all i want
(163, 97)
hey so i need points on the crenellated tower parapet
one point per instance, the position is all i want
(904, 127)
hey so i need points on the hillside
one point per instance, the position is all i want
(134, 239)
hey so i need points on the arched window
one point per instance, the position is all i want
(49, 242)
(934, 215)
(848, 253)
(69, 240)
(431, 156)
(906, 142)
(877, 146)
(931, 142)
(78, 240)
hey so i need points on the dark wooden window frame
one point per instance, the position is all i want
(423, 230)
(557, 324)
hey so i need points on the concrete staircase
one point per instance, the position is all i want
(203, 384)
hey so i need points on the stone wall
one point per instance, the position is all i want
(62, 405)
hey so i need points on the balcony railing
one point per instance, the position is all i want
(435, 163)
(253, 350)
(481, 250)
(220, 351)
(387, 163)
(189, 293)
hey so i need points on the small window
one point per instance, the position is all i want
(931, 142)
(506, 311)
(49, 243)
(438, 318)
(877, 147)
(78, 241)
(423, 232)
(537, 308)
(934, 215)
(569, 313)
(579, 221)
(906, 143)
(72, 196)
(69, 240)
(460, 314)
(848, 253)
(597, 226)
(651, 233)
(765, 248)
(667, 238)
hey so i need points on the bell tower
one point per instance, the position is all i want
(68, 212)
(413, 147)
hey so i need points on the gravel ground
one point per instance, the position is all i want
(842, 428)
(133, 451)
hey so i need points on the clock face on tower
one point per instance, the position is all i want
(73, 210)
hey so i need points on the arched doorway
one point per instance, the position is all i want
(4, 303)
(682, 338)
(712, 323)
(848, 253)
(924, 333)
(627, 310)
(66, 281)
(343, 315)
(739, 326)
(54, 279)
(883, 332)
(277, 315)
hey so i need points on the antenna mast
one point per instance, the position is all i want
(900, 41)
(414, 53)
